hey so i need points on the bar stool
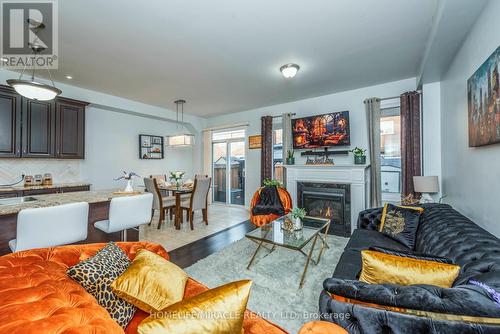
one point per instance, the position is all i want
(127, 212)
(51, 226)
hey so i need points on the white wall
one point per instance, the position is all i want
(471, 175)
(112, 146)
(113, 125)
(431, 132)
(349, 100)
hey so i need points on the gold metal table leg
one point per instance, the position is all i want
(255, 254)
(307, 262)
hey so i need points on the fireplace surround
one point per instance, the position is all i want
(354, 177)
(327, 200)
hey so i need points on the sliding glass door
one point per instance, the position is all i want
(228, 163)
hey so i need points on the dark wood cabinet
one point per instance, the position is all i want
(10, 123)
(70, 129)
(39, 125)
(41, 129)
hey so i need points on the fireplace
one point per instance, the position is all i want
(327, 200)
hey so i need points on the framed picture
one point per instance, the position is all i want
(254, 141)
(151, 147)
(483, 96)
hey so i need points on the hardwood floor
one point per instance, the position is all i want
(191, 253)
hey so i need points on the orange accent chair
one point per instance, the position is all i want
(36, 295)
(260, 220)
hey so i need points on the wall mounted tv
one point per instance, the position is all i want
(321, 130)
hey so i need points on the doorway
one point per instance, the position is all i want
(228, 167)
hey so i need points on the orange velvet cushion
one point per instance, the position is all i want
(321, 327)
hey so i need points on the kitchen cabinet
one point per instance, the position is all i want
(38, 126)
(70, 129)
(41, 129)
(10, 123)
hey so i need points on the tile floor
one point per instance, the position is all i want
(220, 217)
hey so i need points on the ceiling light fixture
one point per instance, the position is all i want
(4, 60)
(32, 89)
(183, 139)
(289, 70)
(69, 77)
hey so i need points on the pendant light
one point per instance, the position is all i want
(183, 139)
(32, 89)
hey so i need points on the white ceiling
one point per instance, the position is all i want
(223, 55)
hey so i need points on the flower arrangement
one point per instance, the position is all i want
(130, 178)
(359, 155)
(177, 177)
(299, 213)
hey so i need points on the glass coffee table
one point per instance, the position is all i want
(271, 235)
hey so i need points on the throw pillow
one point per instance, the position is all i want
(151, 282)
(380, 268)
(412, 255)
(401, 223)
(96, 275)
(217, 311)
(494, 295)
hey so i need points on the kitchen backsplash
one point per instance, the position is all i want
(61, 170)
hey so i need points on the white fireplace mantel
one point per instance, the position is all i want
(355, 175)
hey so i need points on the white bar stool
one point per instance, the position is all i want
(51, 226)
(127, 212)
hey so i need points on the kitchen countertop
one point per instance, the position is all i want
(63, 198)
(53, 186)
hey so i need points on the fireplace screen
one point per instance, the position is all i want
(330, 201)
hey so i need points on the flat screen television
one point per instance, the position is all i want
(321, 131)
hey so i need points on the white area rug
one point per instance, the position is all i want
(275, 291)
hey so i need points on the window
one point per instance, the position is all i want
(278, 154)
(226, 135)
(390, 151)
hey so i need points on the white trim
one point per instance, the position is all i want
(390, 103)
(231, 126)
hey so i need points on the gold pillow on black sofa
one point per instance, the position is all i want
(381, 268)
(401, 223)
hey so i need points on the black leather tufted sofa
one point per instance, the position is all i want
(442, 232)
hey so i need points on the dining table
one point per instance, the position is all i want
(177, 191)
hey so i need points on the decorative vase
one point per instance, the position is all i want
(178, 183)
(290, 161)
(360, 159)
(297, 224)
(130, 186)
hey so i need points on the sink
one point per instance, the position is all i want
(16, 200)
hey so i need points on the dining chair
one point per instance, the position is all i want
(127, 212)
(160, 203)
(51, 226)
(198, 200)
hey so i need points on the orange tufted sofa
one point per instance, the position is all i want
(36, 295)
(260, 220)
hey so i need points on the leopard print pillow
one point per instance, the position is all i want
(96, 275)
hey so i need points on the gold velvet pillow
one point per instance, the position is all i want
(380, 268)
(217, 311)
(151, 282)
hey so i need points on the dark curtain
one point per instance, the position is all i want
(266, 157)
(411, 160)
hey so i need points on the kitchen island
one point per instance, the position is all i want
(98, 210)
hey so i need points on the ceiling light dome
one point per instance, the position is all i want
(34, 90)
(289, 70)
